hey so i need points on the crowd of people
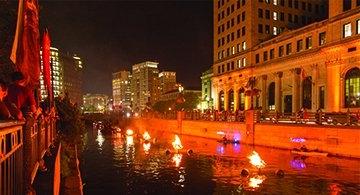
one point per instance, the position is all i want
(16, 100)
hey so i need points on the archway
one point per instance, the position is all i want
(221, 101)
(307, 92)
(231, 105)
(241, 99)
(271, 99)
(352, 88)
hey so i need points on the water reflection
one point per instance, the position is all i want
(130, 165)
(177, 159)
(254, 182)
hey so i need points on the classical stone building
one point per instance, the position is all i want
(316, 66)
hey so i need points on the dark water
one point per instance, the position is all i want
(114, 165)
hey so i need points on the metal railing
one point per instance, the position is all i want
(319, 118)
(22, 147)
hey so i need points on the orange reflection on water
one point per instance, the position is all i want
(177, 159)
(146, 147)
(146, 136)
(129, 140)
(334, 189)
(254, 182)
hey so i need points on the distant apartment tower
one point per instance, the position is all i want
(145, 81)
(121, 89)
(167, 81)
(56, 74)
(72, 80)
(95, 103)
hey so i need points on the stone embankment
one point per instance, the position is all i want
(335, 140)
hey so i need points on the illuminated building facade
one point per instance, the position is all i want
(56, 74)
(95, 103)
(121, 89)
(206, 85)
(167, 81)
(313, 66)
(145, 83)
(72, 77)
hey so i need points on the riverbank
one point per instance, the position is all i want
(338, 141)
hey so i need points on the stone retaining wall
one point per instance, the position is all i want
(340, 141)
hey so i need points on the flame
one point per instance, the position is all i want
(177, 159)
(146, 147)
(146, 136)
(255, 182)
(177, 143)
(129, 132)
(256, 160)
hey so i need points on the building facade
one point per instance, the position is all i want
(121, 89)
(167, 81)
(72, 77)
(95, 103)
(145, 85)
(56, 74)
(206, 86)
(316, 66)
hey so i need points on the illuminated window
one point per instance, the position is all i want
(352, 88)
(243, 62)
(275, 2)
(243, 45)
(358, 26)
(347, 30)
(299, 45)
(239, 63)
(242, 99)
(288, 49)
(322, 38)
(308, 43)
(233, 50)
(275, 30)
(275, 15)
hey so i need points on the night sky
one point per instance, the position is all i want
(113, 35)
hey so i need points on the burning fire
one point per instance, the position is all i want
(146, 147)
(129, 132)
(177, 159)
(256, 160)
(146, 136)
(255, 182)
(177, 143)
(129, 140)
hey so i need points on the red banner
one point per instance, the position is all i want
(26, 47)
(46, 63)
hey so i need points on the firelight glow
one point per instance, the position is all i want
(129, 132)
(146, 147)
(146, 136)
(177, 159)
(177, 143)
(255, 182)
(129, 140)
(256, 160)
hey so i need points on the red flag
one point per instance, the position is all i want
(26, 47)
(46, 63)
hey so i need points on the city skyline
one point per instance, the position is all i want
(178, 35)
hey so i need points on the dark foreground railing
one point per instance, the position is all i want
(22, 147)
(320, 118)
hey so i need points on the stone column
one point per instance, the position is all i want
(236, 97)
(278, 93)
(332, 91)
(314, 89)
(226, 99)
(296, 90)
(263, 92)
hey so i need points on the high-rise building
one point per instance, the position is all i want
(206, 85)
(95, 103)
(145, 81)
(73, 70)
(56, 74)
(167, 81)
(285, 55)
(121, 89)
